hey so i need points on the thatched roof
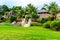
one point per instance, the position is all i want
(42, 11)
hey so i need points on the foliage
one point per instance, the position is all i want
(7, 20)
(13, 18)
(52, 8)
(19, 11)
(30, 8)
(54, 25)
(44, 20)
(36, 24)
(47, 24)
(1, 19)
(5, 8)
(50, 18)
(34, 15)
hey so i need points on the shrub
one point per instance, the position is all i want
(58, 25)
(43, 20)
(47, 19)
(47, 24)
(36, 24)
(1, 19)
(54, 25)
(34, 15)
(12, 18)
(7, 20)
(50, 18)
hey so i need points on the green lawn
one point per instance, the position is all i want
(10, 32)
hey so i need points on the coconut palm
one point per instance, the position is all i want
(30, 9)
(0, 9)
(18, 10)
(52, 8)
(5, 8)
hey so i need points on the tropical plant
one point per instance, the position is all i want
(52, 8)
(47, 24)
(5, 8)
(35, 16)
(0, 9)
(18, 10)
(30, 9)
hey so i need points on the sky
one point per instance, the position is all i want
(23, 3)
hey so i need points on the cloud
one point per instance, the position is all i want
(37, 3)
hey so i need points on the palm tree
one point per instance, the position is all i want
(52, 8)
(18, 10)
(30, 12)
(30, 9)
(5, 8)
(0, 9)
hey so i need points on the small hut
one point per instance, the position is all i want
(58, 15)
(43, 14)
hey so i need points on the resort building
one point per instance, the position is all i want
(58, 15)
(43, 14)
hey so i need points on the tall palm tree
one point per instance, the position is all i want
(18, 10)
(31, 12)
(52, 8)
(5, 8)
(0, 10)
(30, 9)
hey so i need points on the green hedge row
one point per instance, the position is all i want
(36, 24)
(55, 25)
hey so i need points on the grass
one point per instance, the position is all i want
(11, 32)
